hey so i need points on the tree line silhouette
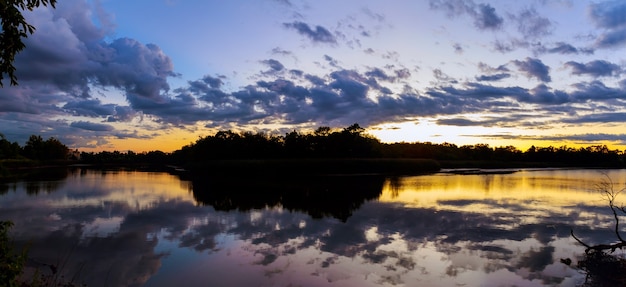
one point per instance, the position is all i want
(322, 143)
(35, 149)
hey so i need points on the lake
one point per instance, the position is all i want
(132, 228)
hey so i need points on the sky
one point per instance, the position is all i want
(147, 75)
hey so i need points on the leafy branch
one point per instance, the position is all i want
(14, 28)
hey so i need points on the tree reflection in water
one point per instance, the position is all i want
(152, 229)
(319, 196)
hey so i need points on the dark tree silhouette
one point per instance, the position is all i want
(14, 28)
(8, 150)
(38, 149)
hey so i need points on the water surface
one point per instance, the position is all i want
(126, 228)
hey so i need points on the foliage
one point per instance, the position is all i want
(14, 28)
(353, 142)
(8, 150)
(36, 148)
(11, 263)
(324, 142)
(603, 269)
(51, 149)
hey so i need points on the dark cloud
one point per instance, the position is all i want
(90, 108)
(609, 16)
(563, 48)
(443, 77)
(487, 18)
(597, 68)
(378, 74)
(122, 114)
(534, 68)
(331, 61)
(578, 138)
(70, 60)
(343, 97)
(92, 126)
(462, 122)
(274, 65)
(612, 38)
(500, 121)
(488, 69)
(213, 82)
(597, 91)
(402, 73)
(545, 95)
(319, 35)
(484, 15)
(493, 78)
(615, 117)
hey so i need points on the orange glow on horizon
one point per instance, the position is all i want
(410, 132)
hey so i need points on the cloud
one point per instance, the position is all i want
(493, 78)
(531, 25)
(488, 69)
(77, 58)
(92, 126)
(484, 15)
(590, 138)
(534, 68)
(281, 52)
(612, 38)
(615, 117)
(342, 97)
(89, 108)
(274, 65)
(566, 49)
(609, 16)
(331, 61)
(458, 48)
(122, 114)
(71, 64)
(487, 18)
(597, 68)
(319, 35)
(506, 46)
(597, 91)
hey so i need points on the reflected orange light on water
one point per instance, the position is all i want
(492, 193)
(139, 190)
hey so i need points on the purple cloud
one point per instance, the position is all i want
(597, 68)
(484, 15)
(609, 15)
(92, 126)
(319, 35)
(534, 68)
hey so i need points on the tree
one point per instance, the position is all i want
(602, 267)
(14, 28)
(11, 262)
(8, 149)
(33, 149)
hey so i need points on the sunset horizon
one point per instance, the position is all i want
(158, 75)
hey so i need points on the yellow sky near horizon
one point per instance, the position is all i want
(410, 132)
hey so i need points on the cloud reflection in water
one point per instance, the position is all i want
(134, 229)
